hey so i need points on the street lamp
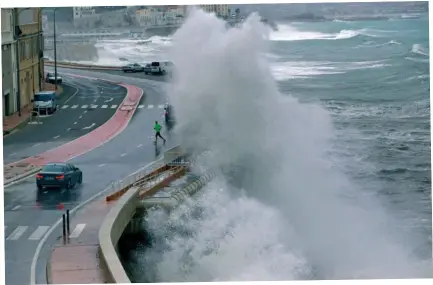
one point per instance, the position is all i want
(55, 50)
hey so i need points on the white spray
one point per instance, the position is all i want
(291, 214)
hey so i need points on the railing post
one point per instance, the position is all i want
(67, 221)
(64, 227)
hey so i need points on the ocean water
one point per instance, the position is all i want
(321, 133)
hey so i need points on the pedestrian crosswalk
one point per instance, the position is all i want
(35, 233)
(107, 106)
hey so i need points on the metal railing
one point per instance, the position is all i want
(138, 175)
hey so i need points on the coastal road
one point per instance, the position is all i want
(155, 90)
(30, 213)
(90, 104)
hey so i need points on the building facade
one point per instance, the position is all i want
(9, 78)
(85, 17)
(30, 53)
(160, 16)
(220, 10)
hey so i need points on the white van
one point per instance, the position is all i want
(161, 67)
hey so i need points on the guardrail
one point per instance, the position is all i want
(82, 66)
(177, 197)
(169, 161)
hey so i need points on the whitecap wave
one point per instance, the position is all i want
(419, 49)
(290, 33)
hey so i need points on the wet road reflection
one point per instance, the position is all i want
(55, 199)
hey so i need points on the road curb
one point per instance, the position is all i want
(12, 130)
(20, 177)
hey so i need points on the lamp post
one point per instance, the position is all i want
(55, 50)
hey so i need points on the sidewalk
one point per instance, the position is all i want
(77, 261)
(13, 121)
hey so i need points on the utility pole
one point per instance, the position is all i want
(55, 51)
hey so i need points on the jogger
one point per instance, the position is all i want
(157, 129)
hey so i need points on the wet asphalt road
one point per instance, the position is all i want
(80, 111)
(112, 161)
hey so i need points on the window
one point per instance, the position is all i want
(53, 168)
(31, 47)
(22, 50)
(27, 49)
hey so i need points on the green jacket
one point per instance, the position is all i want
(157, 127)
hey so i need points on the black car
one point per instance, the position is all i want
(59, 175)
(51, 78)
(169, 116)
(133, 67)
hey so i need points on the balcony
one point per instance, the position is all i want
(7, 37)
(29, 28)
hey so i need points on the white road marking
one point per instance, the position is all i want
(140, 106)
(104, 106)
(150, 106)
(89, 127)
(73, 95)
(85, 112)
(56, 137)
(13, 153)
(123, 154)
(74, 107)
(39, 233)
(36, 144)
(94, 106)
(16, 207)
(113, 106)
(160, 106)
(109, 100)
(68, 129)
(80, 117)
(101, 165)
(65, 106)
(140, 145)
(17, 233)
(75, 123)
(77, 231)
(84, 107)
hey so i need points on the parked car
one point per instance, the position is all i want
(59, 175)
(45, 101)
(133, 67)
(161, 67)
(51, 78)
(147, 69)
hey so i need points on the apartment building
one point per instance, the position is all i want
(30, 53)
(154, 16)
(220, 10)
(9, 79)
(85, 16)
